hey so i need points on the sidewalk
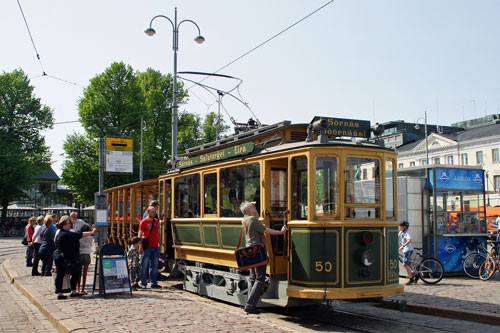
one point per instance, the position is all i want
(454, 297)
(169, 309)
(150, 310)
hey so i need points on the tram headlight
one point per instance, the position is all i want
(367, 257)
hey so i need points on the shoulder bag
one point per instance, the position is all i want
(250, 256)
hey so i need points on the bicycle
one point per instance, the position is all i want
(474, 260)
(491, 263)
(429, 270)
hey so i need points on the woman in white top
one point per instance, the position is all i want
(407, 250)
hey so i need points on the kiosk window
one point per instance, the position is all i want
(299, 188)
(326, 186)
(187, 196)
(460, 212)
(210, 193)
(238, 184)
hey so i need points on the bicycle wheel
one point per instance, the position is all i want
(472, 263)
(430, 270)
(487, 269)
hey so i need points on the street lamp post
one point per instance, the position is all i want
(426, 134)
(175, 46)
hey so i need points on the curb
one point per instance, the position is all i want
(61, 320)
(470, 315)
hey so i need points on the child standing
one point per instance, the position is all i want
(407, 249)
(134, 262)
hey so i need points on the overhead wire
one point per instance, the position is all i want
(267, 40)
(38, 54)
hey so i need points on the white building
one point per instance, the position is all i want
(473, 146)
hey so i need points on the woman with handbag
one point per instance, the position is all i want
(28, 239)
(66, 256)
(254, 234)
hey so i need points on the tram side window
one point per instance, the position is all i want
(389, 188)
(326, 186)
(238, 184)
(210, 193)
(299, 188)
(187, 196)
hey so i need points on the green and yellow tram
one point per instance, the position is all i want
(335, 191)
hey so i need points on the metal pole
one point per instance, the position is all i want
(141, 176)
(174, 106)
(101, 165)
(426, 140)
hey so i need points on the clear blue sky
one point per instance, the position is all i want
(375, 60)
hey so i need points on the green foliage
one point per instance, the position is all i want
(23, 152)
(211, 126)
(113, 104)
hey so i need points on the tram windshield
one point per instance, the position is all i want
(326, 186)
(362, 186)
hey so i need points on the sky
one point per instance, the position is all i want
(377, 60)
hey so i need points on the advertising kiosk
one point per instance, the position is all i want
(453, 211)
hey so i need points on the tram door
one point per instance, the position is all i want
(276, 211)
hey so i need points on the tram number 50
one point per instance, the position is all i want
(326, 266)
(393, 264)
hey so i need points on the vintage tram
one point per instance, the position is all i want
(335, 191)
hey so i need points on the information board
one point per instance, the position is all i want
(119, 155)
(115, 275)
(458, 179)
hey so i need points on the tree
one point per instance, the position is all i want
(113, 104)
(23, 152)
(213, 125)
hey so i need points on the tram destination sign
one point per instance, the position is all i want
(217, 155)
(344, 127)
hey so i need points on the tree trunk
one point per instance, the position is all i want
(5, 204)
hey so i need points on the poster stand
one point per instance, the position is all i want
(111, 274)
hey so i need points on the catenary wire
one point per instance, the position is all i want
(267, 40)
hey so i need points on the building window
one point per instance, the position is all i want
(494, 154)
(412, 163)
(423, 162)
(496, 182)
(365, 174)
(437, 161)
(465, 159)
(400, 166)
(479, 157)
(449, 159)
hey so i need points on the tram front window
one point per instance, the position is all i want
(361, 190)
(238, 184)
(326, 186)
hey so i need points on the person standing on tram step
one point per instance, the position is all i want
(149, 235)
(253, 235)
(155, 204)
(407, 250)
(37, 242)
(29, 230)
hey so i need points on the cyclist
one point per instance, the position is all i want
(407, 249)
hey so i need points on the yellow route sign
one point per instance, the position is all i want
(119, 144)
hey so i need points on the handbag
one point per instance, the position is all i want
(250, 256)
(25, 240)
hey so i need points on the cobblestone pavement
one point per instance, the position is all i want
(18, 313)
(456, 294)
(151, 310)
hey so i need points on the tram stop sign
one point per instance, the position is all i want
(119, 155)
